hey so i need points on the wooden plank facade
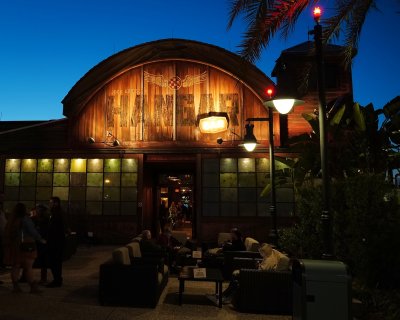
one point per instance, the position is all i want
(148, 98)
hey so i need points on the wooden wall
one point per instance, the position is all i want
(160, 101)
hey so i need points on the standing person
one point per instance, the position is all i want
(20, 246)
(172, 214)
(3, 222)
(55, 242)
(41, 222)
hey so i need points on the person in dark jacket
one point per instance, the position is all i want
(41, 221)
(236, 243)
(20, 246)
(56, 242)
(148, 245)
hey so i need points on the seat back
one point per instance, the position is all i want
(134, 250)
(223, 237)
(251, 244)
(121, 256)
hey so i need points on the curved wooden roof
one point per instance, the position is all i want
(167, 49)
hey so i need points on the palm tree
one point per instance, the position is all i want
(265, 18)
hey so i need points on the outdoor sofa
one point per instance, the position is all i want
(131, 281)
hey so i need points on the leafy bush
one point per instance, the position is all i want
(365, 228)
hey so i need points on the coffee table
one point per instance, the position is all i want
(212, 275)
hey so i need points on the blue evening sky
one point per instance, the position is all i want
(46, 46)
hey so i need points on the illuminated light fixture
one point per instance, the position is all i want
(111, 140)
(249, 140)
(213, 122)
(317, 12)
(282, 104)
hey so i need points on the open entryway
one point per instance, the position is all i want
(169, 196)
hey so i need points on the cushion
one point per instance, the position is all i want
(223, 237)
(121, 256)
(138, 238)
(134, 250)
(251, 244)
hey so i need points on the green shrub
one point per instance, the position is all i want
(365, 228)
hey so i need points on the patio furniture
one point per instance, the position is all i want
(136, 282)
(261, 291)
(212, 275)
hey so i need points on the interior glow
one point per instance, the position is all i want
(250, 146)
(283, 105)
(213, 124)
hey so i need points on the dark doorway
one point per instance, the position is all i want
(169, 196)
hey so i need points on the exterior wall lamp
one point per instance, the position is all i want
(213, 122)
(110, 140)
(250, 143)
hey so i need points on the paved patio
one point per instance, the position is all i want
(77, 299)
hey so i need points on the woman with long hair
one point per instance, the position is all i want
(20, 246)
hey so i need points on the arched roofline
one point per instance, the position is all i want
(163, 50)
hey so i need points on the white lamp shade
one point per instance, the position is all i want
(283, 105)
(250, 146)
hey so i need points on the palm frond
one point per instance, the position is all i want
(350, 15)
(259, 31)
(265, 18)
(355, 26)
(293, 14)
(332, 25)
(243, 6)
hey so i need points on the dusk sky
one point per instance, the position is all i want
(47, 46)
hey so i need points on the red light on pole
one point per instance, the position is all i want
(317, 14)
(270, 92)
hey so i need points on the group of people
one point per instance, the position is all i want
(269, 255)
(37, 235)
(175, 213)
(164, 245)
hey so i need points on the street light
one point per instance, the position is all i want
(325, 214)
(250, 143)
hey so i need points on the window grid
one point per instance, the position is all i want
(241, 181)
(33, 181)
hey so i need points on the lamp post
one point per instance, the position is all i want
(325, 214)
(250, 143)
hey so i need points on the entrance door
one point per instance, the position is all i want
(175, 201)
(169, 197)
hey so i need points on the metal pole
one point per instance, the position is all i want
(273, 234)
(325, 215)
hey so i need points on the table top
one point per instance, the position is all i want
(212, 274)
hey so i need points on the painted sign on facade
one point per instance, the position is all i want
(161, 101)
